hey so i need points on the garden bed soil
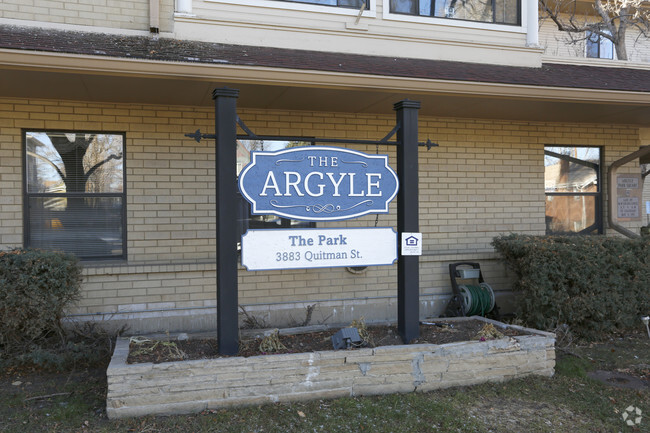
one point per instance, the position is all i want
(157, 350)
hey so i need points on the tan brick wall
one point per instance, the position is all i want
(119, 14)
(11, 222)
(485, 179)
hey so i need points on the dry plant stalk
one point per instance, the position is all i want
(363, 331)
(252, 322)
(488, 332)
(147, 347)
(310, 311)
(272, 343)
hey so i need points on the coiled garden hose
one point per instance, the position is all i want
(479, 300)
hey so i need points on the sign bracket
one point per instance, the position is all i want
(250, 135)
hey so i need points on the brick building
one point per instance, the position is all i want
(125, 81)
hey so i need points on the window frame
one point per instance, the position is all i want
(307, 2)
(123, 195)
(589, 41)
(369, 12)
(388, 13)
(598, 226)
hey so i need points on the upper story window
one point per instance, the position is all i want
(487, 11)
(339, 7)
(573, 190)
(354, 4)
(74, 193)
(599, 47)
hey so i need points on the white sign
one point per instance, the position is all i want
(628, 207)
(411, 244)
(318, 248)
(627, 182)
(629, 196)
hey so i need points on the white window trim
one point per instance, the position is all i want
(387, 15)
(295, 6)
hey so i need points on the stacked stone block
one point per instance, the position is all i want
(194, 386)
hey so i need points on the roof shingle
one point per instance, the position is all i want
(172, 50)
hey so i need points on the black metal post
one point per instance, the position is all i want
(408, 272)
(225, 105)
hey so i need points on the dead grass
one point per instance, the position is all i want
(569, 402)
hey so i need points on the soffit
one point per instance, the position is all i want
(187, 92)
(359, 84)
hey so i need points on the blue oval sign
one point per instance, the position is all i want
(318, 183)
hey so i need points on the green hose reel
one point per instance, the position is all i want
(478, 300)
(474, 297)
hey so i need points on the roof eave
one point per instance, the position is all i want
(117, 66)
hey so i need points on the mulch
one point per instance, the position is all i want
(157, 351)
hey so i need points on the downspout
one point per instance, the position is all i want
(154, 16)
(612, 217)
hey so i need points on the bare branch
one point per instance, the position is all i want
(99, 164)
(609, 19)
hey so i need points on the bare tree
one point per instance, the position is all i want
(73, 149)
(252, 145)
(85, 158)
(609, 19)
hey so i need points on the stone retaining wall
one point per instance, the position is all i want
(193, 386)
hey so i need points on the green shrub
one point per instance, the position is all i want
(35, 289)
(594, 284)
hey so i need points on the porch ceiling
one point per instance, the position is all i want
(98, 67)
(196, 91)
